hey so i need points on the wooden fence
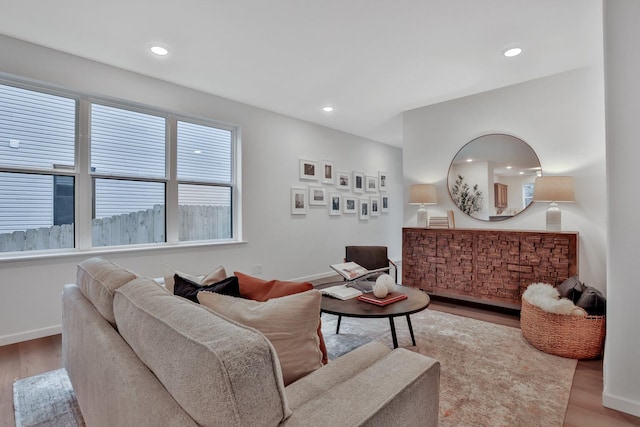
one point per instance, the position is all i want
(148, 226)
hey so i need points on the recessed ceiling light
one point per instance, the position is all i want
(521, 173)
(327, 109)
(197, 151)
(159, 50)
(509, 167)
(511, 52)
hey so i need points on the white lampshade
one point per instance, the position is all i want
(554, 189)
(422, 194)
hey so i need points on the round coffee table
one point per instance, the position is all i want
(416, 301)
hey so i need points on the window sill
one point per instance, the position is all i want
(70, 253)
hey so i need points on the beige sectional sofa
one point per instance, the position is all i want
(139, 356)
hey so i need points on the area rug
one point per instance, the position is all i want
(46, 400)
(490, 375)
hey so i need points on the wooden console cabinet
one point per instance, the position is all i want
(488, 266)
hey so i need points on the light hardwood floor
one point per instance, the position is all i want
(585, 408)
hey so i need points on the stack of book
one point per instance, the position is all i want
(438, 222)
(389, 299)
(442, 221)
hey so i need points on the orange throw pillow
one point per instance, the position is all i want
(261, 290)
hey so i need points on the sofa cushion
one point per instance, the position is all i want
(262, 290)
(189, 289)
(571, 289)
(216, 369)
(290, 323)
(593, 301)
(216, 275)
(98, 279)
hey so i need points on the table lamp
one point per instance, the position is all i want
(554, 189)
(422, 194)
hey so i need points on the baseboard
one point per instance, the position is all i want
(30, 335)
(621, 404)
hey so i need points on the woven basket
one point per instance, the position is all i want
(563, 335)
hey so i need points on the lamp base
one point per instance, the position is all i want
(554, 217)
(423, 216)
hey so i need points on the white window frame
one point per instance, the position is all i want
(83, 177)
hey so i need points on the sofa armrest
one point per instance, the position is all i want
(401, 388)
(335, 372)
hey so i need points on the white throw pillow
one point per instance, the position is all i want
(214, 276)
(290, 323)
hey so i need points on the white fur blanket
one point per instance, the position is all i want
(547, 298)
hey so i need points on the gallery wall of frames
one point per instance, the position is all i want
(353, 193)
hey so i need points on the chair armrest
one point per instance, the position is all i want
(395, 270)
(401, 388)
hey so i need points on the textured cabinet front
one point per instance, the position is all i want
(493, 266)
(497, 266)
(454, 261)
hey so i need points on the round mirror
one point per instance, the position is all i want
(491, 178)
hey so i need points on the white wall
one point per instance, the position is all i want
(622, 67)
(561, 117)
(286, 246)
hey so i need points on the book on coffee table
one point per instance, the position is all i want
(353, 271)
(389, 299)
(342, 292)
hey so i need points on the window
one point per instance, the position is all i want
(128, 169)
(63, 195)
(527, 193)
(37, 165)
(122, 180)
(204, 182)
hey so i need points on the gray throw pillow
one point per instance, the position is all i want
(592, 300)
(571, 288)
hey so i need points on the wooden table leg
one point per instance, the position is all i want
(338, 326)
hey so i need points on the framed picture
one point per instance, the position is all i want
(383, 181)
(371, 184)
(308, 170)
(358, 182)
(384, 203)
(343, 181)
(363, 209)
(349, 205)
(374, 206)
(317, 195)
(335, 204)
(298, 201)
(328, 172)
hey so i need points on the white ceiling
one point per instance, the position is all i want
(370, 59)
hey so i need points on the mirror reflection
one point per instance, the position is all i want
(491, 178)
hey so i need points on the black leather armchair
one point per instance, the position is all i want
(371, 258)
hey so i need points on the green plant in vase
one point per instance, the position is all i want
(468, 199)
